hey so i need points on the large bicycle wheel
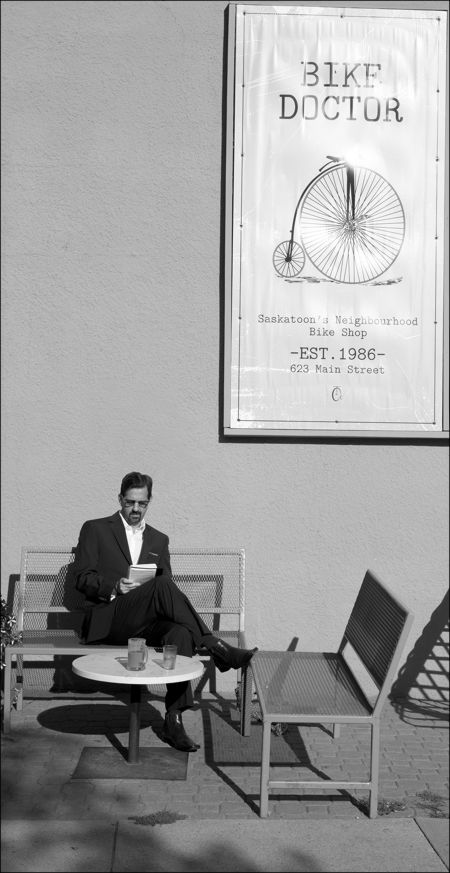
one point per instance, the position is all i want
(357, 244)
(288, 259)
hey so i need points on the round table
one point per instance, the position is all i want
(104, 667)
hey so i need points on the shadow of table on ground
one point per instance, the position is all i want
(101, 719)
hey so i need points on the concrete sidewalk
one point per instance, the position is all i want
(99, 846)
(208, 820)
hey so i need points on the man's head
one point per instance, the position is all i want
(135, 495)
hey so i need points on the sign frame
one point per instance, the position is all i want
(337, 430)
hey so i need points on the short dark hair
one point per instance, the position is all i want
(136, 480)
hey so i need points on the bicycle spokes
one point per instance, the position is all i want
(288, 259)
(352, 226)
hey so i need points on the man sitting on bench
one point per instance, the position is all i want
(117, 608)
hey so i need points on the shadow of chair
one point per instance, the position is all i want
(228, 753)
(421, 690)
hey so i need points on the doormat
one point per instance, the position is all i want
(98, 763)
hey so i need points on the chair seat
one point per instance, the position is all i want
(307, 684)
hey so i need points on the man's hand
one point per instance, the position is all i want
(125, 585)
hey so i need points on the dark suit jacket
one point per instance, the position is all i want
(102, 557)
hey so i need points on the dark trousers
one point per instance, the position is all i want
(161, 613)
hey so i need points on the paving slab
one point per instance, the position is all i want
(278, 846)
(436, 832)
(66, 846)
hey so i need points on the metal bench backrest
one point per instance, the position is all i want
(375, 626)
(47, 598)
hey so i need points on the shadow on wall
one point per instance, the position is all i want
(50, 675)
(422, 687)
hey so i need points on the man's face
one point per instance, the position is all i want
(134, 505)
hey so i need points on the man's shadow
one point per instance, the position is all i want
(53, 676)
(46, 674)
(64, 594)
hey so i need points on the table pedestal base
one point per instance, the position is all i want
(160, 763)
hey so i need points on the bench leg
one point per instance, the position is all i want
(7, 693)
(246, 701)
(212, 677)
(19, 682)
(374, 768)
(265, 770)
(208, 676)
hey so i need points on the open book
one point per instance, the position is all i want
(142, 572)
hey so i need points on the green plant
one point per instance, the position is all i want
(434, 803)
(9, 634)
(163, 816)
(384, 807)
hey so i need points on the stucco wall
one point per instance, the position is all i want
(112, 168)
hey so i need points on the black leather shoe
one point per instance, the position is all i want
(228, 657)
(175, 734)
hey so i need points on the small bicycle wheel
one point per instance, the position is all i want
(288, 259)
(356, 247)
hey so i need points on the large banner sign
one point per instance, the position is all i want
(336, 165)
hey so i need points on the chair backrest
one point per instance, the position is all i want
(47, 598)
(377, 630)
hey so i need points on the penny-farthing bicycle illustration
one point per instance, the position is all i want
(351, 224)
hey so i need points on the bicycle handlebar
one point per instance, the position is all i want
(331, 160)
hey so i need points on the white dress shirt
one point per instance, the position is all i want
(134, 538)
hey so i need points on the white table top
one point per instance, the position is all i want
(113, 668)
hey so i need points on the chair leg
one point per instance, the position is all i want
(374, 767)
(265, 770)
(246, 701)
(336, 731)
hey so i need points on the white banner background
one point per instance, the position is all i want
(352, 343)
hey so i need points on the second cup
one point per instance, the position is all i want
(169, 657)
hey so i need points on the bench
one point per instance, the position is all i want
(49, 609)
(349, 686)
